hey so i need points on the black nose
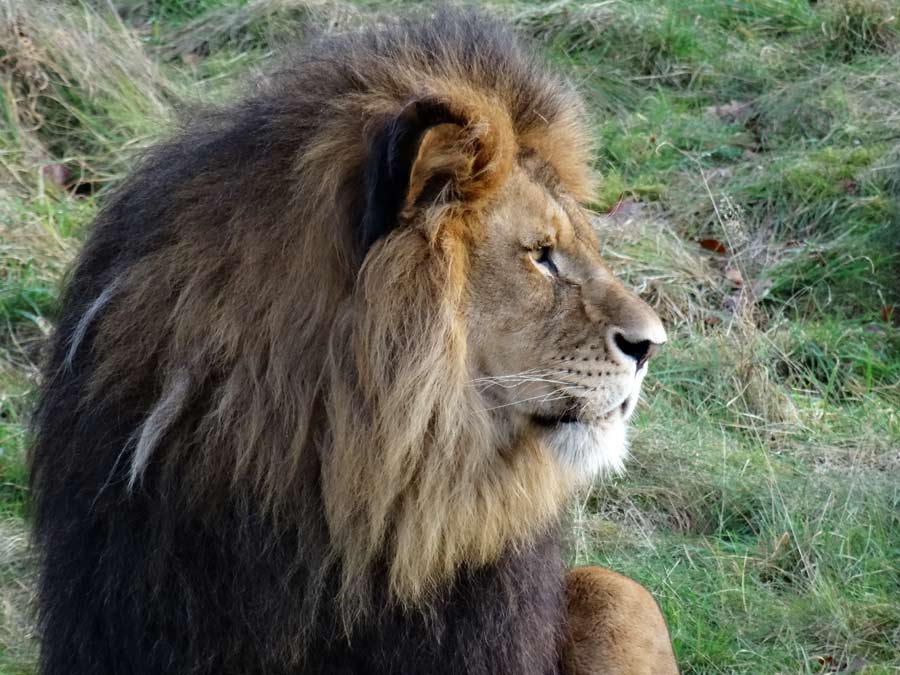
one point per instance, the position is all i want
(639, 351)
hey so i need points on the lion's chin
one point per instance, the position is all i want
(590, 449)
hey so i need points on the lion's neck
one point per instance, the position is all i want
(441, 511)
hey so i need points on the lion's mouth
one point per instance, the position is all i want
(628, 405)
(569, 416)
(575, 415)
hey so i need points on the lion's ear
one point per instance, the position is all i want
(390, 163)
(432, 150)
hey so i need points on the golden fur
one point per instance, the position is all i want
(615, 627)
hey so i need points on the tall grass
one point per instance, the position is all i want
(750, 154)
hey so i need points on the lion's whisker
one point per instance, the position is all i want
(557, 394)
(523, 381)
(518, 379)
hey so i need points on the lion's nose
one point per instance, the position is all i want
(631, 329)
(637, 338)
(640, 351)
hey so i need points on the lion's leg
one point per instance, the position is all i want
(615, 627)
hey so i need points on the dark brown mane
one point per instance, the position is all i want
(253, 380)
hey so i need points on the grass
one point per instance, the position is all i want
(750, 154)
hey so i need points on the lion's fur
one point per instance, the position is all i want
(258, 312)
(614, 622)
(236, 388)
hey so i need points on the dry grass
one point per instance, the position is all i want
(266, 22)
(15, 597)
(79, 93)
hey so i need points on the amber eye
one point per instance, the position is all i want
(544, 256)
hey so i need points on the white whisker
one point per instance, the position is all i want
(554, 395)
(513, 380)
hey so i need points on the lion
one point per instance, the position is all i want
(327, 371)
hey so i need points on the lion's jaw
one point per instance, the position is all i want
(590, 449)
(594, 445)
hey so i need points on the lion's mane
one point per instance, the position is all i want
(257, 446)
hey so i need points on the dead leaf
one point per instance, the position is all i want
(733, 274)
(713, 245)
(887, 313)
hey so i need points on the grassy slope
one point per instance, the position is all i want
(763, 502)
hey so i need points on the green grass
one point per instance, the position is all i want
(762, 504)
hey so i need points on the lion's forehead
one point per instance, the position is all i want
(531, 207)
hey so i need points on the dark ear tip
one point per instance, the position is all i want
(407, 128)
(390, 163)
(427, 112)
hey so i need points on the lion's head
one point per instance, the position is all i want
(366, 300)
(487, 360)
(557, 347)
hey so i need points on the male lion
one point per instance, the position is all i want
(326, 372)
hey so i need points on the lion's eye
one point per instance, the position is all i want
(544, 256)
